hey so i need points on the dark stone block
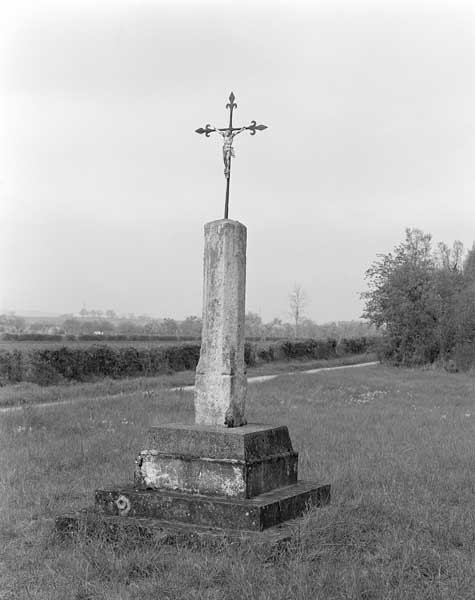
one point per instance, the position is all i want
(247, 443)
(254, 514)
(90, 522)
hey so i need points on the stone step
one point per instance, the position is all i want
(90, 522)
(254, 514)
(218, 477)
(250, 442)
(239, 462)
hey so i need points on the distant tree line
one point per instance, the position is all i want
(91, 324)
(423, 301)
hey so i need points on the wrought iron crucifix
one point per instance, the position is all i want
(228, 134)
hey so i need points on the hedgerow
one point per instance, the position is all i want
(47, 366)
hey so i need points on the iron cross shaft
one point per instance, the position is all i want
(228, 134)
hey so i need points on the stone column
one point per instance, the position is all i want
(221, 383)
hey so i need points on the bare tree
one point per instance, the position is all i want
(297, 302)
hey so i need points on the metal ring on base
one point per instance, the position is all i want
(123, 504)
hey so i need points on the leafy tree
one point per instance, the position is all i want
(469, 265)
(10, 322)
(93, 325)
(128, 327)
(424, 302)
(191, 326)
(309, 329)
(328, 330)
(448, 281)
(401, 300)
(253, 326)
(274, 328)
(152, 327)
(169, 327)
(465, 314)
(72, 326)
(464, 351)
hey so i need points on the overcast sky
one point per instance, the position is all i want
(105, 187)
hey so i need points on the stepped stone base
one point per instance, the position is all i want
(197, 481)
(255, 514)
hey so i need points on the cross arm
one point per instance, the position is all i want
(253, 127)
(207, 130)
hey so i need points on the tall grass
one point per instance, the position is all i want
(396, 445)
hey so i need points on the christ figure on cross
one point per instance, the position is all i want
(228, 150)
(228, 134)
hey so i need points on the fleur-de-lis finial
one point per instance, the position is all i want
(253, 126)
(207, 130)
(231, 104)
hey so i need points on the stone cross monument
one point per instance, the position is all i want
(220, 390)
(220, 475)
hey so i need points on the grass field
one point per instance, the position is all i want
(27, 393)
(397, 445)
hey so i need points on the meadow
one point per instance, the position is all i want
(397, 445)
(28, 393)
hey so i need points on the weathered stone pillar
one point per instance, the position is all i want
(221, 383)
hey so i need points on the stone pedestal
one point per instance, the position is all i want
(221, 384)
(203, 479)
(240, 462)
(219, 476)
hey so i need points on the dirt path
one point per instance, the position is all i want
(260, 378)
(256, 379)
